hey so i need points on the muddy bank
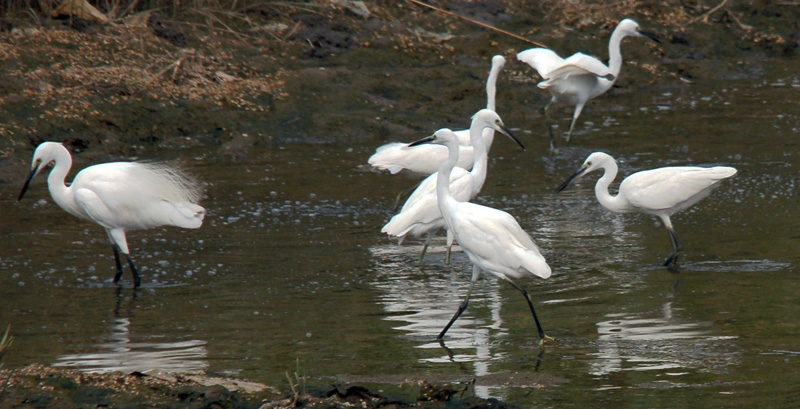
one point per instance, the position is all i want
(38, 386)
(320, 72)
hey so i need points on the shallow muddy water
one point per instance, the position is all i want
(290, 272)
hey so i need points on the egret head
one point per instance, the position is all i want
(596, 160)
(443, 136)
(486, 118)
(498, 61)
(44, 154)
(631, 28)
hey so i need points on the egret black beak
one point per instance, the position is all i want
(566, 183)
(427, 139)
(650, 36)
(509, 134)
(33, 173)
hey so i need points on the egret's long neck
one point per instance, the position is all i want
(478, 138)
(443, 195)
(613, 203)
(614, 53)
(56, 181)
(491, 93)
(491, 86)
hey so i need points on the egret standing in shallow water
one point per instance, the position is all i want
(579, 78)
(420, 214)
(120, 196)
(660, 192)
(492, 239)
(425, 159)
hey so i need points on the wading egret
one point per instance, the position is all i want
(492, 239)
(425, 159)
(659, 192)
(580, 77)
(120, 196)
(420, 215)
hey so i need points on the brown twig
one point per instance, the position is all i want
(212, 28)
(450, 13)
(741, 25)
(705, 15)
(291, 32)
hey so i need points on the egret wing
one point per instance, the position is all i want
(494, 240)
(665, 188)
(588, 65)
(423, 159)
(428, 186)
(542, 60)
(422, 208)
(134, 195)
(391, 157)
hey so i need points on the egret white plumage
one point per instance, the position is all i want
(425, 159)
(420, 215)
(581, 77)
(660, 192)
(120, 196)
(492, 239)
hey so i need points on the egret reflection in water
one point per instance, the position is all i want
(121, 354)
(660, 341)
(422, 302)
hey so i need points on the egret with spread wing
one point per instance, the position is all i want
(581, 77)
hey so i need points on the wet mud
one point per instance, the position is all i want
(37, 386)
(321, 73)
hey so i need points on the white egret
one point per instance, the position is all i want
(425, 159)
(120, 196)
(492, 239)
(420, 214)
(579, 78)
(659, 192)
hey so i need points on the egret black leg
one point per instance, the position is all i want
(533, 311)
(118, 264)
(571, 127)
(402, 196)
(136, 280)
(463, 306)
(575, 115)
(425, 247)
(553, 148)
(547, 122)
(676, 247)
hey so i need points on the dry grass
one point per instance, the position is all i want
(67, 73)
(6, 341)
